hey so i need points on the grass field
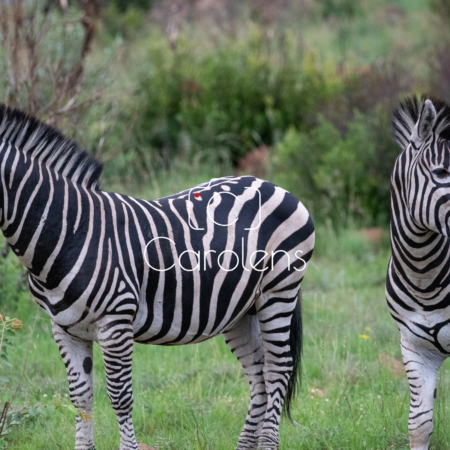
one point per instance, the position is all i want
(354, 392)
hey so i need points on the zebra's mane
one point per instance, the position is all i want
(38, 140)
(407, 115)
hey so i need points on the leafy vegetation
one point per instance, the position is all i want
(201, 84)
(339, 176)
(10, 415)
(8, 327)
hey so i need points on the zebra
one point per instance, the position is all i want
(418, 277)
(225, 257)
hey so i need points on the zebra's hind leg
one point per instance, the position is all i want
(116, 342)
(245, 342)
(280, 321)
(77, 357)
(421, 367)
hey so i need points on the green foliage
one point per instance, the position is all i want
(13, 283)
(122, 18)
(186, 90)
(124, 5)
(347, 244)
(442, 8)
(7, 333)
(340, 175)
(230, 97)
(15, 418)
(342, 9)
(10, 417)
(190, 89)
(50, 52)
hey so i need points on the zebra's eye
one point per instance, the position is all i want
(441, 173)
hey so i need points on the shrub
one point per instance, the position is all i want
(343, 175)
(231, 96)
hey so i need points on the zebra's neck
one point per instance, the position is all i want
(35, 211)
(420, 257)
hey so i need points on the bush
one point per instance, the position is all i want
(122, 18)
(343, 175)
(43, 63)
(231, 96)
(13, 283)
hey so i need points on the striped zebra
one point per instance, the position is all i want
(226, 257)
(418, 278)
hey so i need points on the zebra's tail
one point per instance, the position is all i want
(296, 342)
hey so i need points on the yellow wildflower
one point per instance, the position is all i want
(363, 336)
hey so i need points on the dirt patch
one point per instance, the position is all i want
(145, 447)
(254, 162)
(392, 364)
(374, 234)
(316, 392)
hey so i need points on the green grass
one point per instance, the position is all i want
(196, 397)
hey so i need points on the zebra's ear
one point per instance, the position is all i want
(424, 125)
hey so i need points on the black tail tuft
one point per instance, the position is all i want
(296, 342)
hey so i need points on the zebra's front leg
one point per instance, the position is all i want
(77, 357)
(244, 340)
(116, 342)
(421, 368)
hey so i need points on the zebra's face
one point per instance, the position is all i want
(429, 196)
(428, 181)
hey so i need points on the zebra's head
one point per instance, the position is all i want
(421, 176)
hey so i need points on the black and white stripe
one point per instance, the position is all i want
(418, 279)
(86, 251)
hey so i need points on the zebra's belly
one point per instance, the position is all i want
(173, 339)
(187, 325)
(177, 336)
